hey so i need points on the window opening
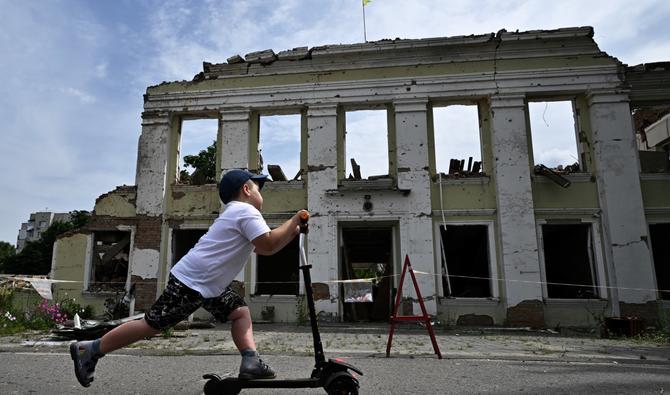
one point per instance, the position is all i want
(651, 127)
(466, 248)
(197, 153)
(278, 274)
(366, 145)
(183, 241)
(457, 140)
(553, 135)
(568, 261)
(660, 244)
(111, 251)
(366, 253)
(279, 146)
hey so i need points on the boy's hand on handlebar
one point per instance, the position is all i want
(303, 216)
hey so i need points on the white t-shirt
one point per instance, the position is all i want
(212, 264)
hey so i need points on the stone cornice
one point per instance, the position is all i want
(606, 96)
(234, 115)
(474, 85)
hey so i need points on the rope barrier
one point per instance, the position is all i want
(377, 279)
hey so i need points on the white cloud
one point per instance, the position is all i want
(84, 97)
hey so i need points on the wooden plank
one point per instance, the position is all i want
(276, 173)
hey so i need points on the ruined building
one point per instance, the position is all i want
(36, 225)
(501, 240)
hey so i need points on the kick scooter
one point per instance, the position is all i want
(333, 375)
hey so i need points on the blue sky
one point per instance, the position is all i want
(73, 72)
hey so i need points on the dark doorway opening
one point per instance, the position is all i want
(366, 253)
(660, 244)
(278, 274)
(183, 240)
(568, 261)
(466, 249)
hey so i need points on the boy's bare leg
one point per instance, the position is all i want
(85, 354)
(252, 367)
(241, 329)
(125, 334)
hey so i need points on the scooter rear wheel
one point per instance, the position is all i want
(221, 387)
(343, 385)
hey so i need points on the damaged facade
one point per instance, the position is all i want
(498, 239)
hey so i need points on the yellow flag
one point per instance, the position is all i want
(366, 2)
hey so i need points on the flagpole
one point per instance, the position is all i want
(365, 36)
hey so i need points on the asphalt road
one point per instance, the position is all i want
(52, 373)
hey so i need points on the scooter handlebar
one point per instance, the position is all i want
(304, 219)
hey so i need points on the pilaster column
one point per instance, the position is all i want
(416, 229)
(234, 131)
(150, 176)
(151, 184)
(516, 218)
(321, 177)
(619, 192)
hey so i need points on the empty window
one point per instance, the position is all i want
(183, 241)
(552, 126)
(279, 146)
(111, 250)
(457, 142)
(660, 244)
(466, 249)
(366, 139)
(197, 152)
(278, 274)
(568, 261)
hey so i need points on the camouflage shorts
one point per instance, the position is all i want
(178, 301)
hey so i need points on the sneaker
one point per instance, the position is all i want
(255, 368)
(84, 361)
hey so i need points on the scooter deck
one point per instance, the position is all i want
(264, 383)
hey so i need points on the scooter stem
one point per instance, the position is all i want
(319, 358)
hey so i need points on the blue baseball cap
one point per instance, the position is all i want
(232, 181)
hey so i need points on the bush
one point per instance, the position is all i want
(6, 296)
(70, 307)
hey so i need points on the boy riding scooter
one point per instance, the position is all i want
(202, 278)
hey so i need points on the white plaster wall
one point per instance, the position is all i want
(145, 263)
(516, 219)
(620, 196)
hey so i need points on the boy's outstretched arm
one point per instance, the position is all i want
(278, 238)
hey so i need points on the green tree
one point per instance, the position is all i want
(6, 250)
(79, 218)
(204, 165)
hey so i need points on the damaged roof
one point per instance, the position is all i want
(503, 44)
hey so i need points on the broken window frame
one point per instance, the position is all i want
(494, 286)
(255, 159)
(254, 275)
(581, 142)
(596, 257)
(90, 251)
(343, 158)
(464, 166)
(262, 166)
(176, 158)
